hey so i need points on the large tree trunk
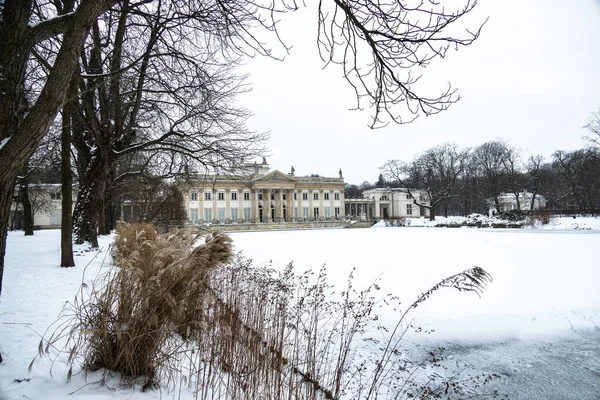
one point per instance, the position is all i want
(7, 185)
(66, 232)
(27, 209)
(89, 201)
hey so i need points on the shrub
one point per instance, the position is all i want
(513, 216)
(159, 292)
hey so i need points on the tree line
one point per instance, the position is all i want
(461, 181)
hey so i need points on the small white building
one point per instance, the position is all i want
(389, 203)
(46, 204)
(508, 202)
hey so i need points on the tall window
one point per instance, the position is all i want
(409, 209)
(234, 214)
(336, 196)
(327, 212)
(305, 212)
(295, 196)
(326, 195)
(246, 195)
(247, 214)
(233, 195)
(207, 195)
(208, 214)
(221, 214)
(304, 196)
(55, 217)
(316, 212)
(221, 196)
(337, 212)
(194, 196)
(194, 215)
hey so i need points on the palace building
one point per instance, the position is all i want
(261, 195)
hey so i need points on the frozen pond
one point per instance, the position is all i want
(536, 325)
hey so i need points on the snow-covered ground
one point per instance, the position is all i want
(536, 325)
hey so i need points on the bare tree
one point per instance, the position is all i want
(594, 128)
(162, 83)
(580, 170)
(384, 46)
(489, 158)
(514, 180)
(535, 166)
(436, 172)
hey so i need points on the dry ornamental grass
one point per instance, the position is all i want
(177, 315)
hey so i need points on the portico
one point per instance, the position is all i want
(263, 196)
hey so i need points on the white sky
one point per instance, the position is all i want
(532, 78)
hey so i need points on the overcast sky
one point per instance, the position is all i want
(532, 78)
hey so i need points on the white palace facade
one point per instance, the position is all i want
(261, 195)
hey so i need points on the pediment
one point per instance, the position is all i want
(276, 176)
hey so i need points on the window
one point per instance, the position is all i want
(207, 195)
(233, 195)
(194, 196)
(55, 217)
(221, 214)
(407, 196)
(247, 213)
(337, 212)
(326, 195)
(208, 214)
(336, 196)
(246, 195)
(295, 212)
(316, 212)
(315, 195)
(272, 196)
(221, 196)
(295, 196)
(234, 214)
(305, 212)
(260, 196)
(409, 209)
(383, 198)
(285, 196)
(304, 196)
(55, 196)
(194, 213)
(327, 212)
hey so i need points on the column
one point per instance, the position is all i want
(310, 204)
(331, 205)
(267, 205)
(214, 204)
(240, 197)
(321, 201)
(201, 204)
(290, 205)
(255, 204)
(300, 206)
(227, 205)
(281, 191)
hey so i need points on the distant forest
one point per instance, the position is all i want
(468, 180)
